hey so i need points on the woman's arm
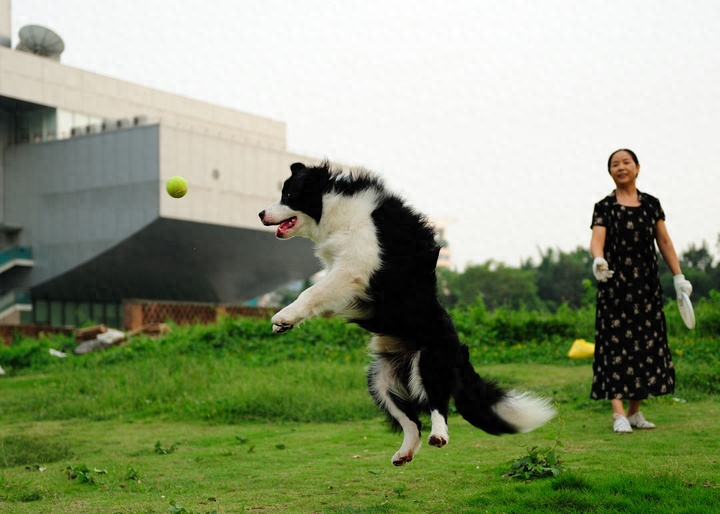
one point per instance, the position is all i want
(597, 248)
(666, 247)
(597, 242)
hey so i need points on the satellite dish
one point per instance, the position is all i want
(40, 41)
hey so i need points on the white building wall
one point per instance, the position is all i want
(46, 82)
(229, 182)
(5, 23)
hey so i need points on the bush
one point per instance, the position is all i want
(238, 369)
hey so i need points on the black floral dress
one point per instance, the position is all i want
(632, 358)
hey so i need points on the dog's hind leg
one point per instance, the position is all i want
(431, 377)
(390, 394)
(411, 437)
(439, 434)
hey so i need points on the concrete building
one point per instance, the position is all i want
(85, 221)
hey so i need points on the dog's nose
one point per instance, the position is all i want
(262, 215)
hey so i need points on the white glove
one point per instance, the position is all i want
(601, 270)
(681, 285)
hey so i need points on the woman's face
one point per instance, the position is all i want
(623, 169)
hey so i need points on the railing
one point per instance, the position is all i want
(15, 256)
(15, 252)
(13, 298)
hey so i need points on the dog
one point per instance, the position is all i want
(379, 256)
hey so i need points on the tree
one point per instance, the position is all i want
(500, 286)
(697, 258)
(560, 277)
(697, 266)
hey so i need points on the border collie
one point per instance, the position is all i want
(379, 256)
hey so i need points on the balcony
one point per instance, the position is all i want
(12, 303)
(15, 256)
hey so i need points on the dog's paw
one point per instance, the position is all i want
(437, 440)
(285, 319)
(439, 436)
(401, 458)
(280, 329)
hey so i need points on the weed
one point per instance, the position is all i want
(161, 450)
(132, 474)
(400, 490)
(541, 461)
(176, 508)
(81, 473)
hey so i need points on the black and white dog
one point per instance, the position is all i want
(379, 256)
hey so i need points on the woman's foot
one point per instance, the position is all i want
(637, 420)
(621, 424)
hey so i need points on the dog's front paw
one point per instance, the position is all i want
(285, 320)
(279, 329)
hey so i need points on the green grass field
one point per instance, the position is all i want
(218, 419)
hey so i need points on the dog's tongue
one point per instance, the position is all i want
(284, 227)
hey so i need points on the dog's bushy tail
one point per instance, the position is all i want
(487, 406)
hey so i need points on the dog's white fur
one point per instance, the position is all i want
(347, 245)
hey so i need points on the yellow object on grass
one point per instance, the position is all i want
(581, 349)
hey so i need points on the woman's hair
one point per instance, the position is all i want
(632, 154)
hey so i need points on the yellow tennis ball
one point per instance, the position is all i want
(176, 187)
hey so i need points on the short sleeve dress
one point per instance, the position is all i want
(632, 357)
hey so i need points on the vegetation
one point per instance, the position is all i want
(561, 279)
(232, 418)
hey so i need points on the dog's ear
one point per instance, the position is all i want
(297, 167)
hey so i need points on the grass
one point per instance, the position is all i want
(231, 419)
(344, 467)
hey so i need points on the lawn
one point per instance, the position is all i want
(162, 463)
(232, 418)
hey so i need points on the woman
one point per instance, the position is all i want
(632, 358)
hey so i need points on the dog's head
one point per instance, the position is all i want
(300, 205)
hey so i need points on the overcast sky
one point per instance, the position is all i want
(497, 116)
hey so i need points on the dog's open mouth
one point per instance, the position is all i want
(285, 227)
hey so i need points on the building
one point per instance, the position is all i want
(445, 257)
(85, 222)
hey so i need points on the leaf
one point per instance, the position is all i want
(552, 459)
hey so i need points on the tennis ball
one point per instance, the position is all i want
(176, 187)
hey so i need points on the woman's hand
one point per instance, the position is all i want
(601, 270)
(682, 285)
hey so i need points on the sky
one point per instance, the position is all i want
(496, 117)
